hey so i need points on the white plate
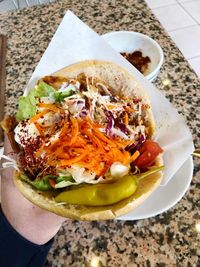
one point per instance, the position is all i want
(164, 197)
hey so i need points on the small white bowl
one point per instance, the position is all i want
(129, 41)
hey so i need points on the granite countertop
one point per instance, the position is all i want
(170, 239)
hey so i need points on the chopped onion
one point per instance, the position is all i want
(110, 124)
(80, 175)
(104, 88)
(117, 169)
(133, 147)
(119, 133)
(122, 127)
(83, 113)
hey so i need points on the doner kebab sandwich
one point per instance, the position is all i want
(84, 139)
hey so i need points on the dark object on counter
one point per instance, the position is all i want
(3, 51)
(137, 60)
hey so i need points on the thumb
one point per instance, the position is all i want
(8, 146)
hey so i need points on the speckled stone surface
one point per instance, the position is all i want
(169, 239)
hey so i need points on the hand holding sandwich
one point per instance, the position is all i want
(85, 147)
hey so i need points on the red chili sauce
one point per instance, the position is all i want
(137, 60)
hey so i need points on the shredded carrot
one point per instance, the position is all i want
(129, 109)
(126, 118)
(74, 131)
(64, 129)
(51, 107)
(82, 142)
(86, 164)
(39, 115)
(52, 146)
(135, 156)
(73, 160)
(64, 156)
(92, 137)
(102, 137)
(59, 152)
(123, 143)
(110, 106)
(126, 158)
(52, 161)
(39, 128)
(91, 123)
(39, 151)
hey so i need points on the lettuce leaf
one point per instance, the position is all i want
(43, 89)
(60, 96)
(65, 184)
(25, 109)
(40, 184)
(27, 104)
(64, 179)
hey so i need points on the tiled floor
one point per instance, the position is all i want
(181, 19)
(6, 5)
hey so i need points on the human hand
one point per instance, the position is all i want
(33, 223)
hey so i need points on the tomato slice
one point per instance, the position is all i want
(52, 182)
(148, 153)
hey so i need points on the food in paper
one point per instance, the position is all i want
(85, 142)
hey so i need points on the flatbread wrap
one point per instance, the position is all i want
(85, 137)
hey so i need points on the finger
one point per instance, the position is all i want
(11, 143)
(7, 145)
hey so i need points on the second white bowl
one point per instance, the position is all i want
(129, 41)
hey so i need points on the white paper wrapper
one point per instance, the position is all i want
(74, 41)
